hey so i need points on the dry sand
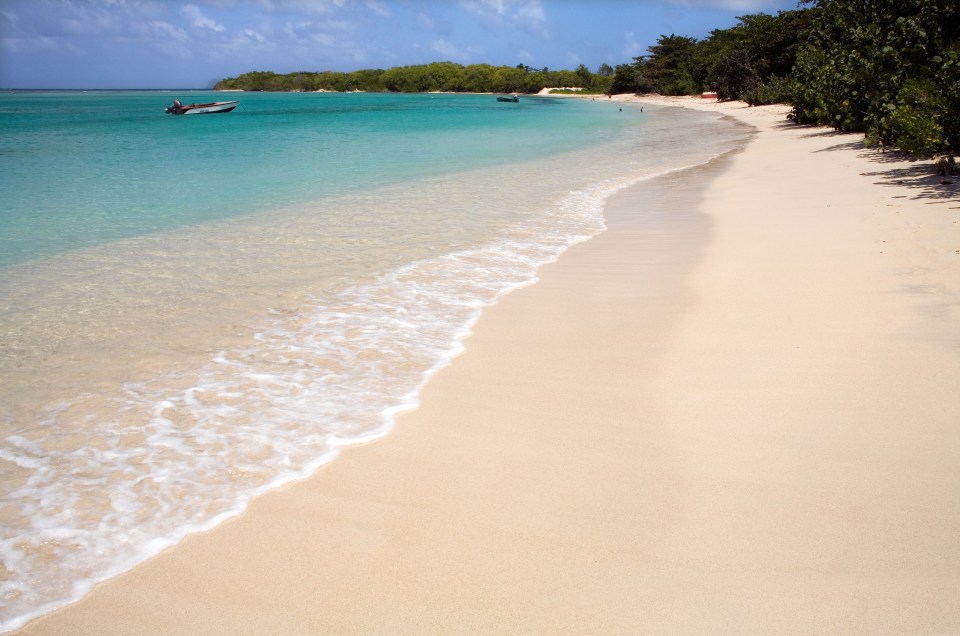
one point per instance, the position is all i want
(737, 411)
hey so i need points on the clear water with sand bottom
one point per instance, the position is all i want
(197, 309)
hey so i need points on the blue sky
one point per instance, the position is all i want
(168, 44)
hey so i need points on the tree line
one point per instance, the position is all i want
(423, 78)
(887, 68)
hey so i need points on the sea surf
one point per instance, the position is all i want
(199, 309)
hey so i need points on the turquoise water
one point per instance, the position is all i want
(79, 169)
(198, 309)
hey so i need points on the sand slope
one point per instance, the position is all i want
(734, 412)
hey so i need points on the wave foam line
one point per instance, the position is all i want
(306, 386)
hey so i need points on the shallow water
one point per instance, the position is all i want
(198, 309)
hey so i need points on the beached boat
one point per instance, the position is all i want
(201, 109)
(508, 98)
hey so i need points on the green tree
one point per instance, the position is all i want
(478, 78)
(669, 69)
(868, 59)
(736, 62)
(508, 80)
(533, 82)
(629, 78)
(734, 74)
(584, 77)
(562, 78)
(364, 80)
(917, 125)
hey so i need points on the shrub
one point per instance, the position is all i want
(776, 90)
(916, 123)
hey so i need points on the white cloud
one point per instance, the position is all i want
(75, 21)
(531, 16)
(92, 22)
(38, 44)
(631, 48)
(447, 49)
(430, 23)
(426, 21)
(527, 15)
(168, 30)
(301, 7)
(253, 35)
(325, 39)
(746, 6)
(322, 33)
(170, 40)
(378, 7)
(485, 8)
(199, 20)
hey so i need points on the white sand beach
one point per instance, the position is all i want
(772, 346)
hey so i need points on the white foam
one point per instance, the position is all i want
(263, 414)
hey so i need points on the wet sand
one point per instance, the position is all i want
(733, 412)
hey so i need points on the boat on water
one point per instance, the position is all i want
(200, 109)
(508, 98)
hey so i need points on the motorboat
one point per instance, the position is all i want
(508, 98)
(201, 109)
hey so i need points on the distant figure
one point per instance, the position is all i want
(945, 165)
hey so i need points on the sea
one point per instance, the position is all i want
(198, 309)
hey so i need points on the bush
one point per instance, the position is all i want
(734, 75)
(915, 124)
(776, 90)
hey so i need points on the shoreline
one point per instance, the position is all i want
(774, 379)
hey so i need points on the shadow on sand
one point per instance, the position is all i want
(919, 177)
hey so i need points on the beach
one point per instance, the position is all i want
(771, 343)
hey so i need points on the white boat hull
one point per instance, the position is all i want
(204, 109)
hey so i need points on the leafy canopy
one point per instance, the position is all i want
(888, 68)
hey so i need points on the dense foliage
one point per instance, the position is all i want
(889, 68)
(437, 76)
(749, 61)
